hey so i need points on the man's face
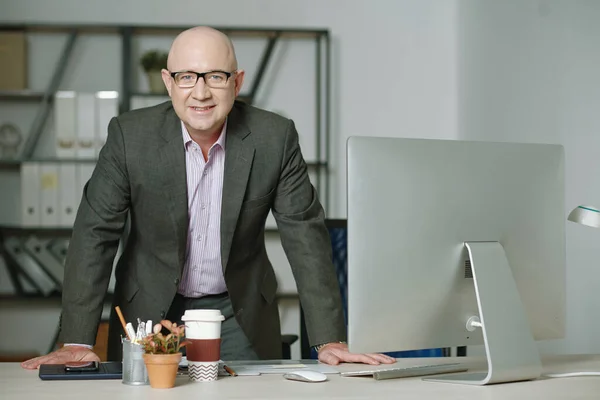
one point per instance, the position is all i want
(203, 108)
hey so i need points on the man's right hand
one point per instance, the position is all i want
(62, 356)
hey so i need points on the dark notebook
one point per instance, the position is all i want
(106, 370)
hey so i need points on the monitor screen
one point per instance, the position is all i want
(415, 204)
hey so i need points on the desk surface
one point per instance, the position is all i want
(16, 383)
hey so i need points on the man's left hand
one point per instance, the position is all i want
(335, 353)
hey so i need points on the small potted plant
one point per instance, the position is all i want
(162, 354)
(153, 61)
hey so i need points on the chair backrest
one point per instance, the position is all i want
(338, 233)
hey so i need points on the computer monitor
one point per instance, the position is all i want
(454, 243)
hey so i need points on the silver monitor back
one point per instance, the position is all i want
(413, 203)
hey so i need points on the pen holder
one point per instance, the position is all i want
(134, 368)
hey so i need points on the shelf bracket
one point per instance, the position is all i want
(42, 115)
(262, 67)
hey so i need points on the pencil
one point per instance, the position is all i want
(118, 309)
(229, 370)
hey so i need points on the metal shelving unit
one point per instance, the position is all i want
(21, 95)
(127, 33)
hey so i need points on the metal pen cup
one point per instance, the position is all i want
(134, 368)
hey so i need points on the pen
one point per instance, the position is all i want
(229, 370)
(120, 314)
(130, 332)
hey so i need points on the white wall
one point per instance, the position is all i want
(393, 65)
(394, 61)
(516, 70)
(530, 72)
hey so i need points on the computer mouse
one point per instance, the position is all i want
(305, 376)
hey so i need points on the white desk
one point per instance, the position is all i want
(16, 383)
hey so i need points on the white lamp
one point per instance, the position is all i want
(586, 215)
(589, 216)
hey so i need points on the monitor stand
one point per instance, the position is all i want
(512, 354)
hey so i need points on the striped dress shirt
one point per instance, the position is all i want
(202, 272)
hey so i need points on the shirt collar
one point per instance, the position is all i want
(187, 139)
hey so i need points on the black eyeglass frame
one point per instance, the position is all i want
(203, 74)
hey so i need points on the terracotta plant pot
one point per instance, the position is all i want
(162, 369)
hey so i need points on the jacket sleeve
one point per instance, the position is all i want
(98, 227)
(306, 242)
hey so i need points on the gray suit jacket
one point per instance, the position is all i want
(141, 173)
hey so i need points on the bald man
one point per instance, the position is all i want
(197, 177)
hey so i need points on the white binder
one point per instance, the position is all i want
(48, 184)
(65, 122)
(30, 194)
(38, 249)
(86, 125)
(58, 247)
(69, 194)
(107, 107)
(29, 267)
(84, 173)
(6, 284)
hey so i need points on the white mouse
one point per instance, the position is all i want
(305, 375)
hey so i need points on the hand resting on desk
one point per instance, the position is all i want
(335, 353)
(332, 354)
(62, 356)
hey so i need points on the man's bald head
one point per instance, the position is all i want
(204, 105)
(202, 45)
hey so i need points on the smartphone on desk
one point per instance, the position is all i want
(85, 370)
(82, 366)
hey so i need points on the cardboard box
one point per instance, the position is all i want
(13, 60)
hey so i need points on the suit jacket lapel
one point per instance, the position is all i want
(175, 183)
(239, 153)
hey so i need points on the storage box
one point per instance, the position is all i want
(13, 60)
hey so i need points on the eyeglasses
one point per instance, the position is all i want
(214, 79)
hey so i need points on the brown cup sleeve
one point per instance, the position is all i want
(203, 350)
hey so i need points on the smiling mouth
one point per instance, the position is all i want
(200, 109)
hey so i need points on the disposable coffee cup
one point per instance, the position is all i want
(203, 351)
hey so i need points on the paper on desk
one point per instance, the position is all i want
(280, 369)
(254, 368)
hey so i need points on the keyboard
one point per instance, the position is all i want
(406, 372)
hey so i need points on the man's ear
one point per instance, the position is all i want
(239, 81)
(166, 77)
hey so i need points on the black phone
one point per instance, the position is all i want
(81, 366)
(81, 370)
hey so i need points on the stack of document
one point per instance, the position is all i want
(259, 367)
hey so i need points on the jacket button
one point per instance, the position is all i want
(176, 281)
(162, 314)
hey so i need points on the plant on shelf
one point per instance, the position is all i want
(162, 353)
(153, 61)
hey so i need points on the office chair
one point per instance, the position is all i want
(338, 234)
(286, 345)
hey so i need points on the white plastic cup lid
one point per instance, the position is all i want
(202, 315)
